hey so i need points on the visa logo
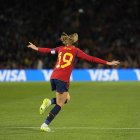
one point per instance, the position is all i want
(12, 75)
(104, 75)
(137, 71)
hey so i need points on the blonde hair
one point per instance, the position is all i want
(69, 39)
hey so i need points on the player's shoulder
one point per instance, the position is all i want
(58, 48)
(77, 49)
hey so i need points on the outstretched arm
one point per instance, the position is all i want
(43, 50)
(84, 56)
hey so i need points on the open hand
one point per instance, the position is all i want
(31, 45)
(113, 63)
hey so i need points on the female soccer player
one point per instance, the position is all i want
(67, 55)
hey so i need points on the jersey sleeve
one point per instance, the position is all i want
(49, 50)
(89, 58)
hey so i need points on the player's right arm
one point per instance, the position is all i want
(87, 57)
(43, 50)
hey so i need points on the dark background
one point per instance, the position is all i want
(108, 29)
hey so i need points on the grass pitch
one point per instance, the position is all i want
(97, 111)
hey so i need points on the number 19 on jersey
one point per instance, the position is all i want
(64, 60)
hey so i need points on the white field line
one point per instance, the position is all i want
(72, 128)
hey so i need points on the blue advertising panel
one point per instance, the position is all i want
(77, 75)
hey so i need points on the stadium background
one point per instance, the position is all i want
(108, 29)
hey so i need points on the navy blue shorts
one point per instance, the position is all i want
(59, 86)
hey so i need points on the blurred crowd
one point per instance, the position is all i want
(107, 29)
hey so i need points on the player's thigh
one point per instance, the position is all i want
(61, 98)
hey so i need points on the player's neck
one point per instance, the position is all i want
(69, 46)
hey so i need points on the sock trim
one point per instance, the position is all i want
(52, 114)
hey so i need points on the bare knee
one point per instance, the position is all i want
(60, 103)
(68, 98)
(61, 98)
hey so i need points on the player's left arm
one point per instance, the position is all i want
(87, 57)
(43, 50)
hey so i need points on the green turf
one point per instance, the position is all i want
(97, 111)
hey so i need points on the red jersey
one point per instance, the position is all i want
(66, 59)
